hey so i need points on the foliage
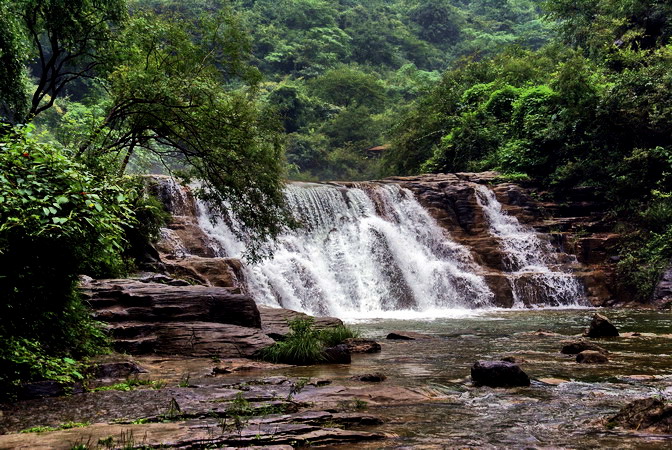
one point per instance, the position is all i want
(591, 114)
(168, 97)
(337, 335)
(69, 39)
(304, 344)
(63, 426)
(57, 220)
(132, 384)
(338, 73)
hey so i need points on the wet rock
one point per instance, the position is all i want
(338, 354)
(42, 389)
(543, 332)
(126, 300)
(406, 336)
(150, 317)
(663, 292)
(358, 345)
(116, 370)
(376, 377)
(591, 357)
(274, 321)
(201, 339)
(651, 414)
(209, 271)
(601, 327)
(578, 346)
(514, 359)
(498, 374)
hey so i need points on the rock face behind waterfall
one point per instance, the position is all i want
(574, 232)
(576, 228)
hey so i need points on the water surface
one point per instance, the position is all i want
(566, 415)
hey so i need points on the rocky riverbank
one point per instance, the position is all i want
(415, 393)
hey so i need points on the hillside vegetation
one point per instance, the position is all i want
(245, 94)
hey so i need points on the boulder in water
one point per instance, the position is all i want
(358, 345)
(591, 357)
(370, 377)
(275, 321)
(652, 414)
(406, 336)
(601, 327)
(338, 354)
(578, 346)
(498, 374)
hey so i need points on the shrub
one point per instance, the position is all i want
(336, 335)
(57, 220)
(304, 345)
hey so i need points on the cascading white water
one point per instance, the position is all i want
(535, 276)
(366, 251)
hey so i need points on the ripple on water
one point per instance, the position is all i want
(565, 413)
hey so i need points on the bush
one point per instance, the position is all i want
(336, 335)
(304, 345)
(57, 220)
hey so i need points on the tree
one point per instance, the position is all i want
(69, 39)
(57, 220)
(439, 21)
(346, 86)
(177, 96)
(13, 101)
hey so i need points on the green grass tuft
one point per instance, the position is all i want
(304, 345)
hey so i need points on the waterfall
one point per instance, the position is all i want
(535, 275)
(370, 250)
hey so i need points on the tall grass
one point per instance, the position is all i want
(337, 335)
(304, 345)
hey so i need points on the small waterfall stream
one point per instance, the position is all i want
(372, 251)
(365, 251)
(535, 276)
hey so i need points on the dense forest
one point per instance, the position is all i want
(245, 94)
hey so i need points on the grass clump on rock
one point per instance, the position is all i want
(337, 335)
(304, 345)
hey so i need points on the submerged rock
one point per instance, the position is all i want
(370, 377)
(358, 345)
(338, 354)
(591, 357)
(498, 374)
(578, 346)
(122, 369)
(601, 327)
(406, 336)
(652, 414)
